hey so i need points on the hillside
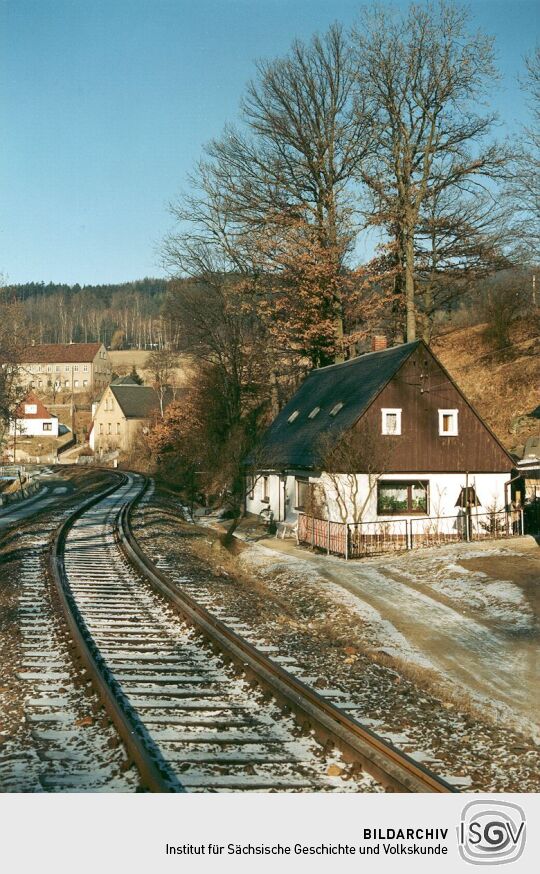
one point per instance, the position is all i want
(503, 386)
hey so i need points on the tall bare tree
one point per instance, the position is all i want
(524, 186)
(302, 143)
(423, 74)
(12, 341)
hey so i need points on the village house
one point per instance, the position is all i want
(124, 410)
(386, 443)
(33, 419)
(66, 367)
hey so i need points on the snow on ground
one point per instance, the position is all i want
(398, 598)
(347, 641)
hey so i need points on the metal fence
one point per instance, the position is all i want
(354, 540)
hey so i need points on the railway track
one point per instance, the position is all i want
(54, 737)
(190, 720)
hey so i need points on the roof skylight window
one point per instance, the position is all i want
(314, 412)
(293, 416)
(335, 410)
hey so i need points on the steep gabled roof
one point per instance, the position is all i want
(354, 384)
(60, 353)
(136, 401)
(41, 410)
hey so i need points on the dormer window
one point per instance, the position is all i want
(335, 410)
(391, 421)
(293, 416)
(314, 412)
(448, 423)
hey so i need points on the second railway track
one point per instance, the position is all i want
(190, 721)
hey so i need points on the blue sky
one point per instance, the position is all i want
(105, 106)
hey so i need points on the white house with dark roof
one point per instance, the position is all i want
(124, 410)
(386, 439)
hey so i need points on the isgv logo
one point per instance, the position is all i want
(491, 832)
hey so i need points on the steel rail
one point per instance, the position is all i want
(152, 776)
(394, 769)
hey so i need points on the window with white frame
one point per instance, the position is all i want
(265, 494)
(448, 423)
(30, 408)
(391, 420)
(47, 426)
(250, 483)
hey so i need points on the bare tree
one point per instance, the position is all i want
(424, 75)
(360, 450)
(162, 364)
(294, 162)
(524, 182)
(12, 344)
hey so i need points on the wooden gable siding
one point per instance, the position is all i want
(420, 388)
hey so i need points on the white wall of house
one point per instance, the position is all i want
(358, 494)
(444, 490)
(281, 492)
(35, 427)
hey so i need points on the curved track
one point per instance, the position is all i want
(189, 721)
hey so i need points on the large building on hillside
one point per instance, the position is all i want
(122, 413)
(66, 367)
(387, 440)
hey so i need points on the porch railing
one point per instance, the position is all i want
(354, 540)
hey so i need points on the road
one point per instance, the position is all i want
(496, 660)
(53, 488)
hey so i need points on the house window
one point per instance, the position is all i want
(314, 412)
(293, 416)
(101, 428)
(40, 383)
(448, 423)
(49, 368)
(76, 383)
(75, 367)
(85, 382)
(118, 427)
(401, 497)
(66, 383)
(249, 487)
(391, 421)
(30, 408)
(109, 428)
(85, 368)
(302, 493)
(57, 367)
(47, 426)
(335, 410)
(66, 367)
(265, 496)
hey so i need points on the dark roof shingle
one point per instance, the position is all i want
(355, 384)
(136, 401)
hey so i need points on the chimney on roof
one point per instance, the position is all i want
(378, 342)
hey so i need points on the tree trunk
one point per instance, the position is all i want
(409, 288)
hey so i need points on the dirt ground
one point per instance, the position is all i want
(295, 604)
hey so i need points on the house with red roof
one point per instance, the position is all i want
(33, 419)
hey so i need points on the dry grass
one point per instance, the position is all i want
(124, 360)
(502, 386)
